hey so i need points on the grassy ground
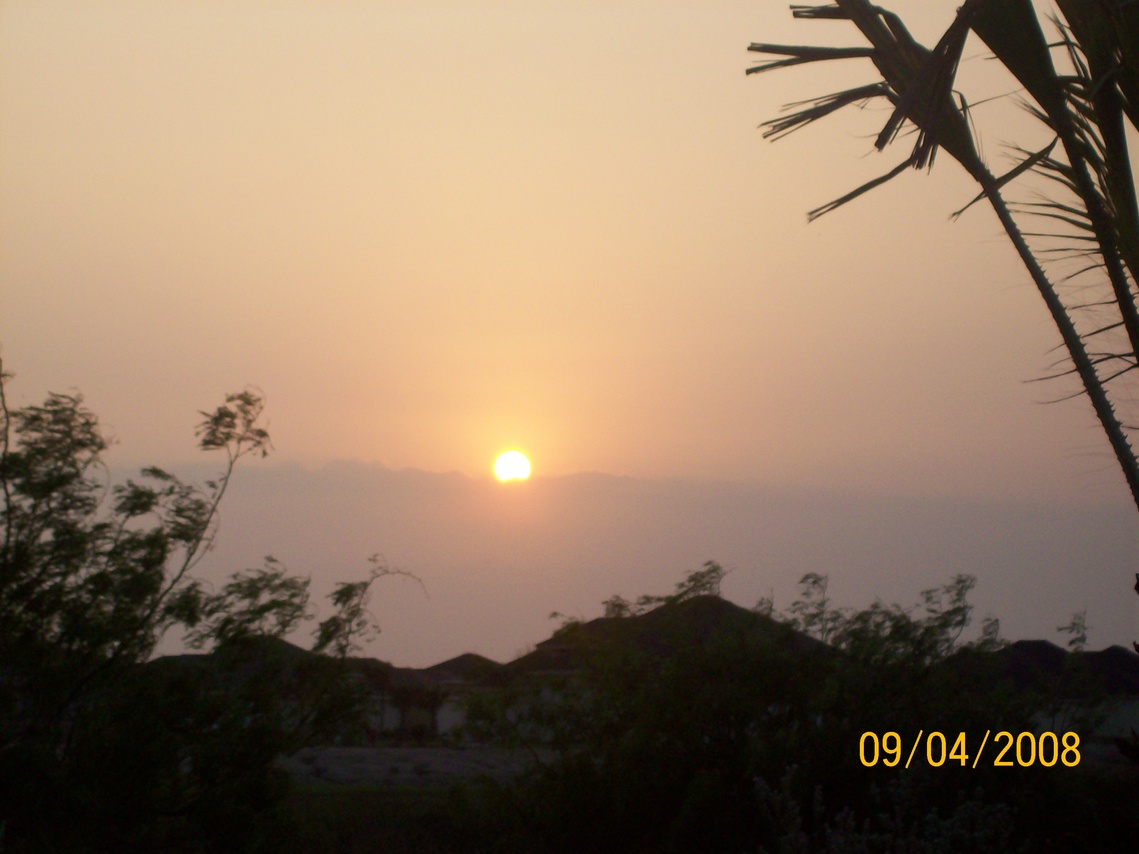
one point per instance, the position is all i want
(361, 819)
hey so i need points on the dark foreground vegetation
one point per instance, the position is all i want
(702, 726)
(673, 723)
(100, 748)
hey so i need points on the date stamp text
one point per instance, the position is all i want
(1005, 749)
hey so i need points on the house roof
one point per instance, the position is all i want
(468, 668)
(1029, 664)
(658, 633)
(1043, 666)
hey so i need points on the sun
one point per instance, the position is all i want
(512, 465)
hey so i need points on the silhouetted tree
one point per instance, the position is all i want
(1077, 631)
(92, 576)
(1093, 215)
(697, 725)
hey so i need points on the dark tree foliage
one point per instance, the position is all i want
(1079, 240)
(353, 624)
(702, 726)
(705, 581)
(1076, 231)
(101, 748)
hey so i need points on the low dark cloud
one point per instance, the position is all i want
(497, 559)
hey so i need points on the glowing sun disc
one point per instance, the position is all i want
(512, 465)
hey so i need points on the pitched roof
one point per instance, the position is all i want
(658, 632)
(465, 669)
(1043, 666)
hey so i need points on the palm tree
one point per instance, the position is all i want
(1090, 212)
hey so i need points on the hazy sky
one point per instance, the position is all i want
(496, 562)
(429, 231)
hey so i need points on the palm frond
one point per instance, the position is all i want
(922, 82)
(1093, 215)
(818, 108)
(1108, 57)
(1096, 266)
(1103, 329)
(1011, 30)
(854, 194)
(1107, 33)
(1117, 374)
(1099, 360)
(1014, 173)
(830, 13)
(1059, 217)
(801, 54)
(929, 95)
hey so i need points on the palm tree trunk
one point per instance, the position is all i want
(1124, 453)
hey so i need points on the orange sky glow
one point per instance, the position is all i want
(430, 231)
(427, 230)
